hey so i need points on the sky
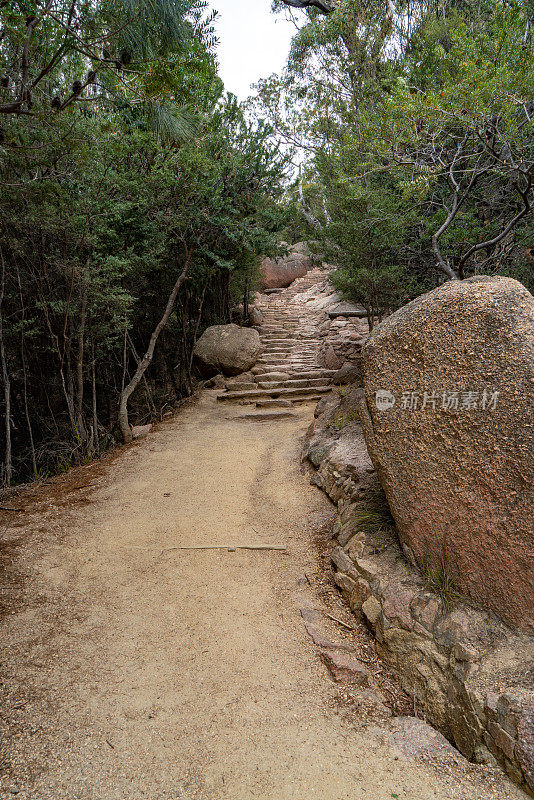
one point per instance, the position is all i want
(253, 42)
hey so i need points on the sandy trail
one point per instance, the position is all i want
(132, 671)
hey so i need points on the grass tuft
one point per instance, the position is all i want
(440, 578)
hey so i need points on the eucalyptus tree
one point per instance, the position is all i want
(458, 132)
(414, 128)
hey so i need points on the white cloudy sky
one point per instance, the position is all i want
(253, 42)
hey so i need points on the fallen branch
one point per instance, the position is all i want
(230, 547)
(5, 508)
(339, 621)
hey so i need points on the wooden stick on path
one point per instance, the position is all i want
(231, 548)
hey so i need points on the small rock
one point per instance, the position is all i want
(344, 667)
(346, 584)
(331, 360)
(138, 431)
(324, 642)
(343, 562)
(217, 382)
(415, 738)
(255, 316)
(371, 610)
(310, 614)
(525, 746)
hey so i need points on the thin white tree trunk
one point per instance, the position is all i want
(8, 465)
(147, 358)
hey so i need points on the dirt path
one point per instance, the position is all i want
(133, 671)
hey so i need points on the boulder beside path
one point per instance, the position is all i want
(228, 349)
(281, 272)
(448, 421)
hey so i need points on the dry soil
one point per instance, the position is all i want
(133, 670)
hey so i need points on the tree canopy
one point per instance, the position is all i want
(412, 125)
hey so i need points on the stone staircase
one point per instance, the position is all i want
(288, 370)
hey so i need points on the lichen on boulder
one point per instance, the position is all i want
(447, 418)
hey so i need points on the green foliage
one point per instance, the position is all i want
(101, 202)
(441, 579)
(417, 131)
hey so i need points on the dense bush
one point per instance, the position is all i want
(146, 179)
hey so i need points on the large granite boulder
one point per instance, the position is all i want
(448, 421)
(281, 272)
(228, 349)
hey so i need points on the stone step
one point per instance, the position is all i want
(281, 358)
(316, 373)
(274, 339)
(292, 366)
(274, 376)
(297, 383)
(267, 416)
(291, 356)
(278, 337)
(279, 334)
(274, 403)
(280, 325)
(262, 394)
(284, 366)
(273, 348)
(235, 386)
(278, 353)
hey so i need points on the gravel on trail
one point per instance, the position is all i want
(133, 671)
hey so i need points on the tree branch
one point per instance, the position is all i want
(324, 7)
(513, 222)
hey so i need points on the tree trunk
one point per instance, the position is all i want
(25, 378)
(147, 358)
(79, 372)
(95, 407)
(150, 402)
(197, 323)
(8, 466)
(245, 302)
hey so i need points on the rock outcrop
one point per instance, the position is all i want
(468, 673)
(255, 317)
(279, 273)
(344, 327)
(350, 373)
(229, 349)
(448, 421)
